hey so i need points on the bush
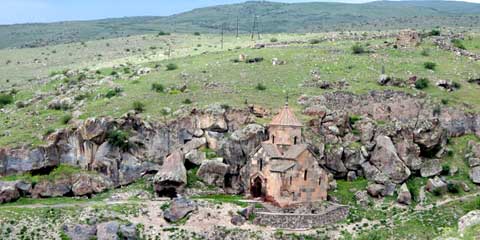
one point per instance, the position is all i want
(358, 49)
(187, 101)
(434, 32)
(273, 40)
(113, 92)
(437, 192)
(162, 33)
(158, 87)
(171, 66)
(138, 106)
(453, 187)
(196, 33)
(458, 44)
(314, 41)
(421, 83)
(430, 65)
(65, 118)
(5, 99)
(119, 138)
(261, 87)
(445, 169)
(445, 101)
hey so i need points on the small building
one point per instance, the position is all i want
(283, 170)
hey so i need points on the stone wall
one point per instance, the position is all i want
(331, 215)
(445, 44)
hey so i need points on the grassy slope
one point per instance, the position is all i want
(238, 80)
(274, 17)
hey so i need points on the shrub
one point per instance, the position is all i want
(171, 66)
(453, 187)
(434, 32)
(113, 92)
(458, 44)
(273, 40)
(437, 192)
(354, 118)
(49, 131)
(65, 118)
(445, 169)
(456, 85)
(421, 83)
(358, 49)
(162, 33)
(196, 33)
(445, 101)
(260, 87)
(314, 41)
(138, 106)
(187, 101)
(430, 65)
(119, 138)
(5, 99)
(158, 87)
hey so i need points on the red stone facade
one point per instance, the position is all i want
(283, 170)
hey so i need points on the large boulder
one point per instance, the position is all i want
(179, 208)
(333, 161)
(53, 188)
(386, 159)
(404, 195)
(436, 185)
(95, 130)
(80, 231)
(195, 157)
(172, 176)
(8, 192)
(212, 172)
(470, 219)
(375, 190)
(128, 232)
(108, 230)
(213, 119)
(409, 152)
(475, 174)
(86, 184)
(430, 168)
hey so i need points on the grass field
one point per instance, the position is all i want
(237, 82)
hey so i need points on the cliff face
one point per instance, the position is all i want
(383, 136)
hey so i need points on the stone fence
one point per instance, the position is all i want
(331, 215)
(445, 44)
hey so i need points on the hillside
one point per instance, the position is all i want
(272, 17)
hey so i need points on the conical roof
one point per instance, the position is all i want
(286, 118)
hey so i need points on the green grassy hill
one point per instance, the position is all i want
(272, 17)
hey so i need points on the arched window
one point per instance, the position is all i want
(320, 181)
(290, 180)
(295, 139)
(305, 175)
(261, 164)
(273, 139)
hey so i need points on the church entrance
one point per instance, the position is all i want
(256, 188)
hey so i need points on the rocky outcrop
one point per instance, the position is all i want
(8, 192)
(470, 219)
(172, 177)
(87, 145)
(108, 230)
(212, 172)
(385, 158)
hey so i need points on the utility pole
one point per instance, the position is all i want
(254, 25)
(223, 26)
(237, 26)
(258, 28)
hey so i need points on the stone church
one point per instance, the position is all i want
(283, 170)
